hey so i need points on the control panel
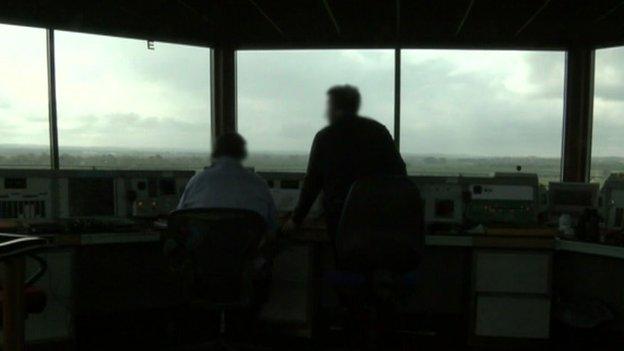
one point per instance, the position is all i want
(153, 195)
(612, 194)
(25, 197)
(48, 194)
(448, 201)
(443, 202)
(505, 198)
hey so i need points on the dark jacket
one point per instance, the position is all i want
(341, 153)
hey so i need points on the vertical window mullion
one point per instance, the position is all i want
(52, 112)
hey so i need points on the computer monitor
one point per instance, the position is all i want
(91, 196)
(572, 198)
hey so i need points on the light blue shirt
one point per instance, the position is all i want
(227, 184)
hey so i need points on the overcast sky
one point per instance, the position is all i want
(116, 93)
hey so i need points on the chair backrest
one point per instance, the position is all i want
(381, 226)
(221, 244)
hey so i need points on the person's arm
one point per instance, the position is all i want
(271, 213)
(312, 184)
(269, 246)
(396, 164)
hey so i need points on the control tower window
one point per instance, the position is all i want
(607, 146)
(132, 104)
(281, 98)
(24, 134)
(475, 112)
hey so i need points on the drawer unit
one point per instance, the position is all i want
(511, 293)
(512, 316)
(503, 271)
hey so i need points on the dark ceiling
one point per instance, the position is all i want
(336, 23)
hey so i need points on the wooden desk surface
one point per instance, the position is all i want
(315, 233)
(106, 238)
(504, 238)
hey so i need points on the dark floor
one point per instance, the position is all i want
(339, 343)
(157, 331)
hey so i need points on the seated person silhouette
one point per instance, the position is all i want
(227, 184)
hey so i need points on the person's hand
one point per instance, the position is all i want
(289, 227)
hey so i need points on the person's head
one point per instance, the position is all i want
(231, 145)
(342, 101)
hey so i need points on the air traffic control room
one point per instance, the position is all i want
(312, 174)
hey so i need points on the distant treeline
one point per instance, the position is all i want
(547, 168)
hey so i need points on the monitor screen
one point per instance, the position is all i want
(167, 186)
(91, 197)
(573, 197)
(444, 208)
(15, 183)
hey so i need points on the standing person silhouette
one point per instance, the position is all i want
(349, 148)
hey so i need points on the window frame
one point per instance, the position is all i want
(52, 97)
(398, 52)
(223, 77)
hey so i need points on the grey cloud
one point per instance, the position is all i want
(135, 121)
(180, 68)
(473, 114)
(37, 119)
(546, 72)
(609, 92)
(4, 103)
(282, 94)
(177, 66)
(609, 76)
(133, 130)
(443, 111)
(608, 125)
(294, 131)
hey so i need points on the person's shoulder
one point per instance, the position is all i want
(205, 173)
(371, 123)
(261, 185)
(193, 180)
(254, 178)
(324, 134)
(325, 131)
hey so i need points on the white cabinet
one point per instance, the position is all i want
(511, 292)
(512, 316)
(512, 271)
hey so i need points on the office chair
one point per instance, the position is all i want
(220, 245)
(381, 226)
(379, 245)
(18, 296)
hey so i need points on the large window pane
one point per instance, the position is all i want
(24, 133)
(281, 98)
(478, 112)
(122, 105)
(607, 143)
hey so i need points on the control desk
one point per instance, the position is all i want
(612, 194)
(510, 199)
(87, 199)
(486, 272)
